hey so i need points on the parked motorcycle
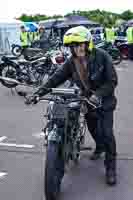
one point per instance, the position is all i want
(113, 51)
(124, 49)
(34, 48)
(30, 72)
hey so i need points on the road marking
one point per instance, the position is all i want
(17, 145)
(2, 174)
(2, 138)
(121, 69)
(39, 135)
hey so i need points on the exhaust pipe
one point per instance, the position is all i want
(10, 80)
(13, 81)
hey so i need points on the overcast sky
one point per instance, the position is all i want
(14, 8)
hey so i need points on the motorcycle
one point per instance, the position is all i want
(124, 49)
(65, 133)
(30, 72)
(34, 48)
(65, 130)
(27, 52)
(113, 51)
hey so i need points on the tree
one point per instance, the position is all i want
(101, 16)
(127, 15)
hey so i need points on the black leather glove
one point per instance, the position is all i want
(94, 99)
(31, 99)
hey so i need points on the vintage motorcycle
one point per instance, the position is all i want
(112, 50)
(31, 72)
(65, 134)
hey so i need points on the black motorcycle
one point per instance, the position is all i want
(112, 50)
(35, 48)
(22, 71)
(65, 133)
(31, 72)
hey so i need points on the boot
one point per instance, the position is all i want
(111, 176)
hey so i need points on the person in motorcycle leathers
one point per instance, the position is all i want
(94, 73)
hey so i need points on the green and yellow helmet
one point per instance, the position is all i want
(77, 34)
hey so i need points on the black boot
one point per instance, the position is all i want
(111, 176)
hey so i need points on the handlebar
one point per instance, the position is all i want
(64, 91)
(74, 93)
(80, 99)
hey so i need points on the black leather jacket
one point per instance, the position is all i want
(101, 74)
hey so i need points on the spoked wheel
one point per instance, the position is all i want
(9, 72)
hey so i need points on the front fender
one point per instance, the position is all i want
(56, 134)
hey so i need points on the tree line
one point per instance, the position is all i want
(103, 17)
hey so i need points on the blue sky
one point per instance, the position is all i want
(14, 8)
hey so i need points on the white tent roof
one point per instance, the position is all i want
(10, 21)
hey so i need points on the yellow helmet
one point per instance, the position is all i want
(77, 34)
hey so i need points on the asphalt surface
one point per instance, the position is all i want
(22, 155)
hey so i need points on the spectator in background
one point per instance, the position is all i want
(130, 41)
(24, 37)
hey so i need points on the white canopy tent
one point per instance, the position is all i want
(9, 34)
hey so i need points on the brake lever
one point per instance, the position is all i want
(93, 105)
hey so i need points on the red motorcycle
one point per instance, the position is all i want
(123, 48)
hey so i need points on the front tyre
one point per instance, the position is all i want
(54, 171)
(8, 71)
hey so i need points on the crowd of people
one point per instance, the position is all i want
(27, 38)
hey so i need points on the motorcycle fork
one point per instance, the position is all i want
(65, 153)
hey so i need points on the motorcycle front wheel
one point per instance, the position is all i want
(8, 71)
(54, 171)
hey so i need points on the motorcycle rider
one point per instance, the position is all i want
(94, 73)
